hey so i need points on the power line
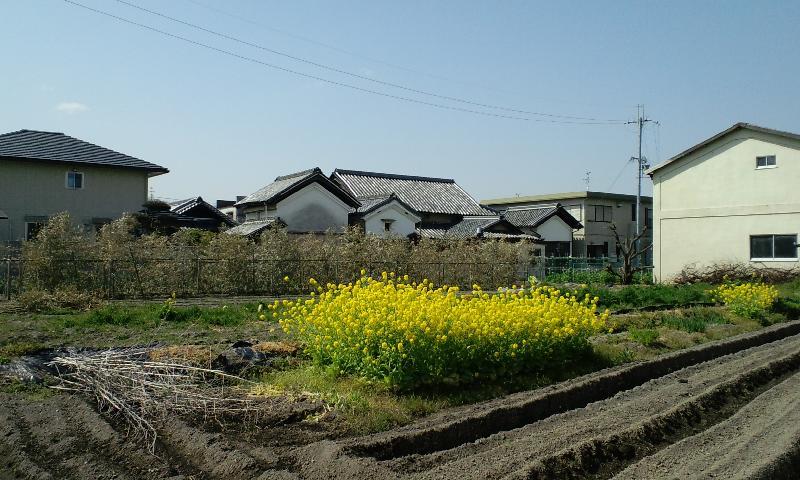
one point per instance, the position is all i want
(361, 77)
(621, 170)
(339, 49)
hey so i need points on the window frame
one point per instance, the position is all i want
(766, 165)
(603, 209)
(75, 173)
(773, 258)
(28, 236)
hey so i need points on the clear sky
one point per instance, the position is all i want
(226, 126)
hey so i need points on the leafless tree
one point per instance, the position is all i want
(631, 250)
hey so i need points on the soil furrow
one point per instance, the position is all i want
(595, 441)
(469, 424)
(605, 455)
(761, 441)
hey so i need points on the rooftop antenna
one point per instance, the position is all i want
(587, 179)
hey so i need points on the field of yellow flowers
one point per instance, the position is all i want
(406, 334)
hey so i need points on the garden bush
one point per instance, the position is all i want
(406, 334)
(751, 300)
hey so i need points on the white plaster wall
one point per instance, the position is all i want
(313, 209)
(555, 230)
(707, 206)
(404, 222)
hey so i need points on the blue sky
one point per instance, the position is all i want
(225, 126)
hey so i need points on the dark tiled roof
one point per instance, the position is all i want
(369, 204)
(57, 147)
(476, 228)
(423, 194)
(285, 185)
(254, 227)
(183, 206)
(533, 216)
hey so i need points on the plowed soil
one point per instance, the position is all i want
(725, 410)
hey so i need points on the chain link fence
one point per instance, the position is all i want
(154, 277)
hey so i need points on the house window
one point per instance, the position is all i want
(767, 161)
(633, 212)
(387, 224)
(556, 249)
(599, 213)
(773, 247)
(74, 180)
(32, 229)
(597, 251)
(648, 217)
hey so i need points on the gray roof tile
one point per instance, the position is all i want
(533, 216)
(286, 184)
(423, 194)
(253, 227)
(57, 147)
(469, 228)
(182, 206)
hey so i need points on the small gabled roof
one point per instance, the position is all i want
(286, 185)
(476, 227)
(370, 204)
(423, 194)
(56, 147)
(254, 228)
(535, 215)
(734, 128)
(182, 206)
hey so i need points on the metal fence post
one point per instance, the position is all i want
(197, 273)
(8, 279)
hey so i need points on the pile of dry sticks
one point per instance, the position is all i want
(127, 382)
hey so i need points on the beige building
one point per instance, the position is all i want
(45, 173)
(595, 211)
(732, 198)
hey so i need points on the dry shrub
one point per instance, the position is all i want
(278, 349)
(719, 273)
(118, 263)
(194, 355)
(68, 298)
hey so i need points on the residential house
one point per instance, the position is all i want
(385, 215)
(552, 223)
(197, 213)
(734, 197)
(304, 202)
(433, 207)
(228, 207)
(593, 211)
(45, 173)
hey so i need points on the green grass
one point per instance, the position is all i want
(632, 297)
(645, 336)
(118, 325)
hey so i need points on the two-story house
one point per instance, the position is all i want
(734, 197)
(45, 173)
(594, 212)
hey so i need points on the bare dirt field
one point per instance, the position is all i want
(728, 409)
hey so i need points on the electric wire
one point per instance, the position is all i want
(355, 75)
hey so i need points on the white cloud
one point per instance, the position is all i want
(71, 107)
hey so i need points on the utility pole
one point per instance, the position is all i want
(641, 166)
